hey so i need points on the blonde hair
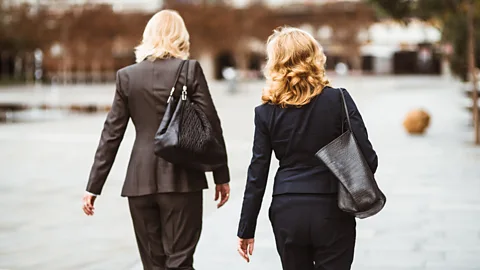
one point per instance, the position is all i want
(295, 69)
(165, 36)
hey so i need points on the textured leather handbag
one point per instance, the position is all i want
(185, 136)
(358, 192)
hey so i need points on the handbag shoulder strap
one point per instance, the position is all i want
(345, 109)
(190, 73)
(189, 77)
(185, 85)
(177, 76)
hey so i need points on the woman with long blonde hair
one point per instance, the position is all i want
(165, 199)
(300, 114)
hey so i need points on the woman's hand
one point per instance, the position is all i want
(222, 192)
(245, 248)
(88, 202)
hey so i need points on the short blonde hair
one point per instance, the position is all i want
(295, 69)
(165, 36)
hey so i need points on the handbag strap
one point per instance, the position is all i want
(177, 76)
(184, 92)
(345, 109)
(184, 89)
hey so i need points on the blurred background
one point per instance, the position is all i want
(87, 41)
(411, 66)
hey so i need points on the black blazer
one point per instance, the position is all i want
(141, 95)
(295, 134)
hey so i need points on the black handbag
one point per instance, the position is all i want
(185, 135)
(358, 192)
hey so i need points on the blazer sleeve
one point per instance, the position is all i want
(111, 137)
(202, 97)
(256, 179)
(360, 132)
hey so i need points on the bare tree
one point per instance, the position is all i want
(472, 70)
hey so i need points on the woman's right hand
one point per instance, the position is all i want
(245, 248)
(222, 192)
(88, 202)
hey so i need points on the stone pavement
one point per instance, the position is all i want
(431, 220)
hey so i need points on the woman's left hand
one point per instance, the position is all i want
(245, 248)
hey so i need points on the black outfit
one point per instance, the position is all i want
(163, 197)
(295, 134)
(321, 236)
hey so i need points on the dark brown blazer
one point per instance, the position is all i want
(141, 94)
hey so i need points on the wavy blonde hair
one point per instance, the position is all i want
(164, 36)
(295, 69)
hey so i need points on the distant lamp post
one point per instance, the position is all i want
(230, 74)
(38, 57)
(56, 51)
(447, 50)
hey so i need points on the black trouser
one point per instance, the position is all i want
(311, 232)
(167, 227)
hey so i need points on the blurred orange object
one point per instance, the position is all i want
(416, 121)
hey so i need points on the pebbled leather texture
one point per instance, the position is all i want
(358, 192)
(196, 132)
(186, 137)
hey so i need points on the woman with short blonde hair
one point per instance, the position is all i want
(300, 114)
(164, 36)
(165, 199)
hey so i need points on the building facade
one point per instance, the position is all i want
(89, 39)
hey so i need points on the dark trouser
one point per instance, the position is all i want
(311, 232)
(167, 227)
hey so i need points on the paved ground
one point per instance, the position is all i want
(431, 221)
